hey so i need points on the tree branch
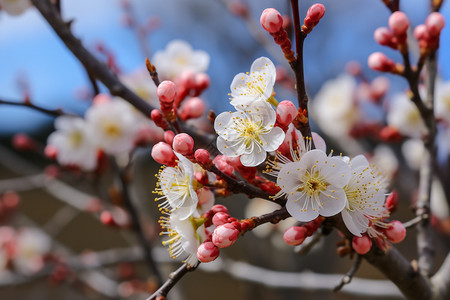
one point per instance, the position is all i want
(52, 112)
(93, 66)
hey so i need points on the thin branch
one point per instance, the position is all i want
(52, 112)
(174, 277)
(273, 217)
(152, 71)
(136, 225)
(392, 5)
(413, 222)
(349, 275)
(93, 66)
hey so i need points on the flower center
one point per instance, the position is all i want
(413, 116)
(112, 130)
(313, 184)
(75, 139)
(249, 130)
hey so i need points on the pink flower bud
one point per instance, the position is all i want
(286, 112)
(221, 163)
(379, 87)
(158, 118)
(219, 208)
(434, 23)
(271, 20)
(391, 202)
(399, 23)
(225, 235)
(107, 219)
(192, 108)
(166, 92)
(202, 157)
(380, 62)
(396, 232)
(50, 151)
(220, 218)
(186, 79)
(163, 154)
(362, 244)
(183, 143)
(295, 235)
(353, 68)
(314, 14)
(384, 36)
(168, 136)
(23, 142)
(101, 98)
(207, 252)
(201, 81)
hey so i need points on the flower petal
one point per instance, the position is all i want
(297, 210)
(333, 201)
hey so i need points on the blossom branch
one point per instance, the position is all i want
(393, 5)
(52, 112)
(349, 275)
(152, 71)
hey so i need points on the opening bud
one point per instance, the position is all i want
(225, 235)
(163, 154)
(166, 92)
(207, 252)
(295, 235)
(314, 14)
(434, 23)
(396, 232)
(380, 62)
(362, 244)
(286, 112)
(183, 143)
(399, 23)
(271, 20)
(202, 157)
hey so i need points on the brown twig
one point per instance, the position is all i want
(53, 112)
(273, 217)
(174, 277)
(152, 71)
(297, 67)
(349, 275)
(393, 5)
(93, 66)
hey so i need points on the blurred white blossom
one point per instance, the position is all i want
(179, 57)
(15, 7)
(405, 117)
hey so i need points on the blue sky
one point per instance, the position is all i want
(29, 48)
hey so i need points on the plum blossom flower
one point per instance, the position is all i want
(112, 126)
(314, 185)
(249, 134)
(73, 146)
(254, 86)
(442, 106)
(334, 106)
(405, 116)
(365, 196)
(179, 57)
(185, 236)
(31, 245)
(15, 7)
(178, 187)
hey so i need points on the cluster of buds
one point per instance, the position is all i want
(396, 35)
(182, 143)
(272, 21)
(172, 95)
(428, 34)
(296, 235)
(393, 232)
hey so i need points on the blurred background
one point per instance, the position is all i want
(35, 62)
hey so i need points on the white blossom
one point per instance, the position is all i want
(32, 244)
(314, 185)
(179, 57)
(15, 7)
(442, 100)
(334, 106)
(254, 86)
(73, 144)
(405, 117)
(112, 126)
(413, 151)
(365, 196)
(385, 161)
(185, 236)
(249, 134)
(178, 188)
